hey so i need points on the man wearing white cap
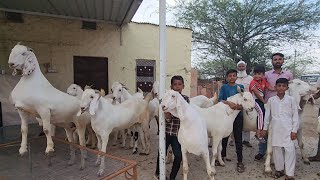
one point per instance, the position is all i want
(244, 79)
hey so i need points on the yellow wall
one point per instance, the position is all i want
(58, 40)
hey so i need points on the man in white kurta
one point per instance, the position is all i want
(244, 79)
(283, 115)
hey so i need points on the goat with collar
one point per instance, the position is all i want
(35, 96)
(192, 134)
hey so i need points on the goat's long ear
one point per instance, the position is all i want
(179, 107)
(29, 66)
(29, 49)
(240, 90)
(94, 104)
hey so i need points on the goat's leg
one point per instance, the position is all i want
(123, 136)
(115, 138)
(69, 133)
(146, 133)
(103, 149)
(185, 163)
(53, 130)
(219, 154)
(157, 119)
(206, 159)
(81, 132)
(45, 116)
(170, 156)
(269, 153)
(136, 138)
(24, 132)
(97, 163)
(75, 136)
(92, 137)
(215, 144)
(131, 138)
(143, 141)
(301, 146)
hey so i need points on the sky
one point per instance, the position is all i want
(149, 12)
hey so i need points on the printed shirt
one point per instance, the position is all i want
(173, 126)
(261, 86)
(271, 77)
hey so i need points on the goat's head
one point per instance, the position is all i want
(246, 100)
(171, 102)
(300, 89)
(89, 101)
(117, 90)
(22, 60)
(155, 88)
(74, 90)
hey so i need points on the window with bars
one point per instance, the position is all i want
(145, 74)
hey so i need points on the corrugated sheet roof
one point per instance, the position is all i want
(112, 11)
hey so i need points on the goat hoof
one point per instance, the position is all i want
(81, 167)
(100, 172)
(70, 162)
(23, 151)
(268, 171)
(134, 152)
(49, 150)
(306, 162)
(97, 163)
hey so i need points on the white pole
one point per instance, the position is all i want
(163, 47)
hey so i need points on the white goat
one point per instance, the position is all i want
(204, 102)
(121, 94)
(220, 118)
(35, 96)
(76, 90)
(192, 133)
(105, 117)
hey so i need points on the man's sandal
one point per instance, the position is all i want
(278, 174)
(240, 167)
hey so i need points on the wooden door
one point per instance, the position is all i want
(92, 71)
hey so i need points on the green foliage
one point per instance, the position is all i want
(231, 29)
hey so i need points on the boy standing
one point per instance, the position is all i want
(282, 111)
(226, 91)
(172, 128)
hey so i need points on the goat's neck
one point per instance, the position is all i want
(125, 94)
(36, 77)
(235, 99)
(79, 93)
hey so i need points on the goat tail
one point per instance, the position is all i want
(215, 98)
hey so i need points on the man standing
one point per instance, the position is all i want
(244, 79)
(272, 76)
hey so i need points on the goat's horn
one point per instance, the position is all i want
(102, 92)
(87, 87)
(29, 49)
(19, 43)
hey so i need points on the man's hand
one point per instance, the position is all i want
(168, 116)
(230, 104)
(293, 136)
(264, 133)
(258, 133)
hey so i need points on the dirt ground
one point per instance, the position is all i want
(147, 164)
(254, 169)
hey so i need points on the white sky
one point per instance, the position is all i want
(149, 12)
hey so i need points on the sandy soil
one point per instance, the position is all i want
(254, 169)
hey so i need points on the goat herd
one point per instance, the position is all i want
(121, 112)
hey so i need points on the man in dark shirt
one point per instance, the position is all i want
(172, 129)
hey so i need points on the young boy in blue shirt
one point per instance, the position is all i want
(226, 91)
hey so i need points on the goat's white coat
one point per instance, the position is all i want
(202, 101)
(105, 117)
(192, 133)
(219, 119)
(35, 96)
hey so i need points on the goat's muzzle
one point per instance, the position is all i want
(164, 108)
(83, 109)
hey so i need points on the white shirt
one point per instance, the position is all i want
(283, 113)
(245, 81)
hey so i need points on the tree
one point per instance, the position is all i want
(231, 29)
(215, 69)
